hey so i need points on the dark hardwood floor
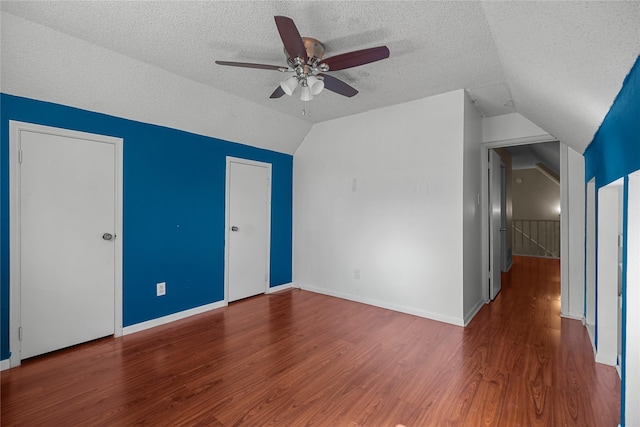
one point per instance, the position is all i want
(297, 358)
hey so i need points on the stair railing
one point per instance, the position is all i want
(539, 238)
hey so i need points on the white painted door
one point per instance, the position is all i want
(248, 224)
(67, 204)
(495, 222)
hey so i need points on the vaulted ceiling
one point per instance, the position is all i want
(559, 64)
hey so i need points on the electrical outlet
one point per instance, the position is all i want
(356, 273)
(161, 288)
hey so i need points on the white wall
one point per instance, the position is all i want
(632, 361)
(609, 221)
(535, 195)
(591, 261)
(40, 63)
(381, 194)
(573, 212)
(509, 127)
(472, 269)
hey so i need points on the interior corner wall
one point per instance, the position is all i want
(173, 209)
(472, 224)
(378, 208)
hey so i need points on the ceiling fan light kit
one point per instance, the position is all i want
(315, 84)
(289, 85)
(305, 60)
(306, 94)
(311, 85)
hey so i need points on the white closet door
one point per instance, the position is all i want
(248, 222)
(67, 205)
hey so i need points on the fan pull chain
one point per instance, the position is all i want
(307, 111)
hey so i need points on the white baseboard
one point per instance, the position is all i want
(5, 364)
(171, 318)
(579, 317)
(606, 359)
(394, 307)
(591, 331)
(281, 288)
(472, 313)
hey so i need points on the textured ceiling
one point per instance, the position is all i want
(560, 64)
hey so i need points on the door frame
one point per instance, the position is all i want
(484, 206)
(15, 128)
(227, 222)
(493, 271)
(504, 261)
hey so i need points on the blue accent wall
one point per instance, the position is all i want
(173, 209)
(615, 149)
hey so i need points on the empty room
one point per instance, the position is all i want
(331, 213)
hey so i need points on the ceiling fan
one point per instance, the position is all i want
(305, 61)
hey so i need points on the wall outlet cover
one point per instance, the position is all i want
(161, 289)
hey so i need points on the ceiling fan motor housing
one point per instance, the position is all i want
(315, 52)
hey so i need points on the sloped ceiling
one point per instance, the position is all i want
(527, 156)
(559, 64)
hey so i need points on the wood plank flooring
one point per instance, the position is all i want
(297, 358)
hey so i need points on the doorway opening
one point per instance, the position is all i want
(528, 241)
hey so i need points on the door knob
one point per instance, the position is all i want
(107, 236)
(234, 228)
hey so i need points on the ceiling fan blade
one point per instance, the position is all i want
(277, 93)
(338, 86)
(356, 58)
(291, 39)
(250, 65)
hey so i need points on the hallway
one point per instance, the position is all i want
(542, 366)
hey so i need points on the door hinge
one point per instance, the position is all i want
(20, 333)
(19, 156)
